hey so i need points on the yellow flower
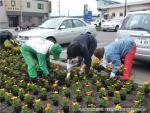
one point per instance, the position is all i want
(88, 92)
(74, 103)
(103, 89)
(21, 81)
(14, 98)
(25, 106)
(78, 90)
(64, 88)
(47, 107)
(146, 82)
(37, 100)
(132, 111)
(118, 106)
(20, 89)
(117, 92)
(105, 98)
(27, 94)
(55, 92)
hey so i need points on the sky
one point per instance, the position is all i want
(75, 7)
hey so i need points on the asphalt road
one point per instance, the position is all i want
(140, 71)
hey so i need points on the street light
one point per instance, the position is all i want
(125, 8)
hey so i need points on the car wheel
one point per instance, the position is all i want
(116, 28)
(51, 39)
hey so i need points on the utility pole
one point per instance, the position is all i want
(68, 12)
(21, 12)
(59, 7)
(125, 8)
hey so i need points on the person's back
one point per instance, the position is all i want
(121, 47)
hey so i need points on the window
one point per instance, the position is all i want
(40, 6)
(78, 23)
(28, 5)
(13, 3)
(113, 15)
(138, 21)
(121, 14)
(1, 3)
(67, 24)
(27, 19)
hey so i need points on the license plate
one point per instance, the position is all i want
(142, 41)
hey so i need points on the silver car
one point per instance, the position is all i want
(60, 30)
(137, 26)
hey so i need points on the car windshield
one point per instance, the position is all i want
(138, 22)
(51, 24)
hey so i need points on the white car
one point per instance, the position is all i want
(98, 22)
(60, 30)
(137, 26)
(111, 24)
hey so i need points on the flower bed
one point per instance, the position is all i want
(59, 94)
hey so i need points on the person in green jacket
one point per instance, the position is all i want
(36, 51)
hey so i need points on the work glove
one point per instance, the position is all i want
(81, 71)
(112, 75)
(68, 70)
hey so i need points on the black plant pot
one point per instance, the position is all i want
(40, 111)
(30, 104)
(36, 92)
(110, 94)
(18, 109)
(66, 109)
(118, 88)
(123, 97)
(15, 93)
(79, 98)
(44, 97)
(55, 103)
(21, 97)
(67, 94)
(146, 91)
(2, 99)
(116, 102)
(8, 103)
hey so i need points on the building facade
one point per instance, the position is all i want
(3, 16)
(26, 12)
(118, 10)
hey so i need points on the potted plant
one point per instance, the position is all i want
(47, 85)
(65, 104)
(43, 93)
(117, 108)
(68, 81)
(48, 108)
(15, 102)
(25, 109)
(38, 106)
(55, 86)
(55, 98)
(103, 102)
(111, 91)
(146, 87)
(21, 83)
(89, 99)
(21, 93)
(78, 94)
(66, 91)
(140, 96)
(8, 97)
(2, 93)
(32, 88)
(116, 98)
(102, 92)
(75, 107)
(28, 99)
(123, 93)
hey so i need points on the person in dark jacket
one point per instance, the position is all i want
(82, 46)
(6, 35)
(121, 50)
